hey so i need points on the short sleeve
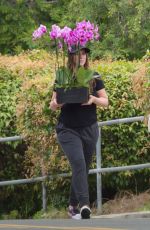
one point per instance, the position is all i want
(99, 82)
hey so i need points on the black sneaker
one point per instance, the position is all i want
(85, 212)
(74, 213)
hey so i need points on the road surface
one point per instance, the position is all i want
(68, 224)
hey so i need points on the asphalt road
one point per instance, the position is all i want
(68, 224)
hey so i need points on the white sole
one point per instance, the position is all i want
(75, 217)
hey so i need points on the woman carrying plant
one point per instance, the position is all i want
(77, 133)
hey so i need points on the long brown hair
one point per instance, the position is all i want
(73, 60)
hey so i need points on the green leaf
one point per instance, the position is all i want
(84, 76)
(62, 76)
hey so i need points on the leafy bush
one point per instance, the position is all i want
(121, 144)
(11, 153)
(9, 87)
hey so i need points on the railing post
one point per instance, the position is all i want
(44, 200)
(99, 176)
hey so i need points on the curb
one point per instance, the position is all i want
(143, 214)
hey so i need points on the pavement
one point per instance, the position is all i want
(122, 221)
(143, 214)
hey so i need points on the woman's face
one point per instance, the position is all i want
(82, 57)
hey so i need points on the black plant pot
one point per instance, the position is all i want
(72, 95)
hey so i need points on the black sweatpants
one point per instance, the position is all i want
(78, 145)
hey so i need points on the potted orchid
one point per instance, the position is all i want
(70, 87)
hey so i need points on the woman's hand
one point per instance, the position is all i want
(100, 100)
(90, 101)
(53, 104)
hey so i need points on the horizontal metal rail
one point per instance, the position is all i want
(15, 138)
(92, 171)
(32, 180)
(100, 124)
(120, 168)
(121, 121)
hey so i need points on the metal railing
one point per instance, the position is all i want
(99, 170)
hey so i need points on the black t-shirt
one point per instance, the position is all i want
(77, 115)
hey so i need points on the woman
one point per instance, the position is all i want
(77, 133)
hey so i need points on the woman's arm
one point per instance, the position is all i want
(101, 100)
(53, 104)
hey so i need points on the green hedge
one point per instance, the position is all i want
(121, 144)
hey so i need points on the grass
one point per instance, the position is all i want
(51, 213)
(128, 202)
(123, 202)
